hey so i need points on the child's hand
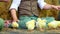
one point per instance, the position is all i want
(56, 7)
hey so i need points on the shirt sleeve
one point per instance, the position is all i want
(15, 4)
(41, 3)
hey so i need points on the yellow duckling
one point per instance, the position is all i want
(30, 24)
(15, 25)
(41, 24)
(53, 24)
(58, 22)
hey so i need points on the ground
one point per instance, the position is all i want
(24, 31)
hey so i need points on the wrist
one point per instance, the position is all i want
(52, 6)
(16, 20)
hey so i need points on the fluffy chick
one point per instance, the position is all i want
(53, 24)
(30, 24)
(41, 24)
(15, 25)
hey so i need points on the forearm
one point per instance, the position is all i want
(48, 6)
(4, 0)
(13, 14)
(44, 5)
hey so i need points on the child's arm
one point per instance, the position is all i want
(44, 5)
(13, 14)
(4, 0)
(14, 8)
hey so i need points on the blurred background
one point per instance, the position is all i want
(4, 10)
(5, 14)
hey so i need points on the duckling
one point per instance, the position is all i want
(53, 24)
(30, 25)
(41, 24)
(15, 25)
